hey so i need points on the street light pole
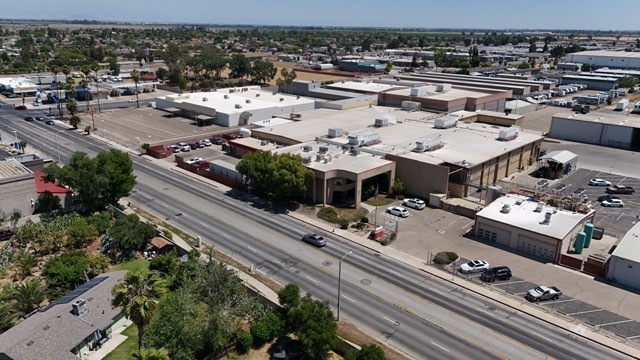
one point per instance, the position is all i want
(340, 280)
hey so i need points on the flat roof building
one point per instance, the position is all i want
(611, 130)
(236, 106)
(528, 226)
(17, 188)
(606, 58)
(625, 259)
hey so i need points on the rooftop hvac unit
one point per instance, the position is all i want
(509, 133)
(281, 99)
(226, 96)
(79, 307)
(323, 149)
(364, 138)
(429, 144)
(231, 91)
(205, 99)
(248, 101)
(335, 132)
(238, 106)
(306, 160)
(506, 208)
(443, 87)
(264, 142)
(327, 159)
(298, 97)
(381, 122)
(419, 91)
(257, 95)
(446, 122)
(319, 157)
(410, 105)
(307, 148)
(355, 152)
(547, 218)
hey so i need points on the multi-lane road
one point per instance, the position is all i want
(424, 317)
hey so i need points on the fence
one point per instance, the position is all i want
(116, 139)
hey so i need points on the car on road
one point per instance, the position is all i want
(28, 118)
(599, 182)
(184, 147)
(496, 273)
(473, 266)
(49, 122)
(414, 203)
(218, 141)
(40, 118)
(314, 239)
(613, 203)
(607, 198)
(132, 100)
(398, 211)
(205, 142)
(193, 160)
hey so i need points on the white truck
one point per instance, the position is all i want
(622, 104)
(543, 293)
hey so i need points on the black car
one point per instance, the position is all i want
(607, 198)
(28, 118)
(194, 146)
(39, 118)
(496, 273)
(218, 141)
(49, 122)
(314, 239)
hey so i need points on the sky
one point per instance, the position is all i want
(459, 14)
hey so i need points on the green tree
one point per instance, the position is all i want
(114, 67)
(263, 71)
(8, 316)
(367, 352)
(23, 145)
(135, 76)
(98, 181)
(388, 68)
(15, 217)
(96, 264)
(74, 120)
(29, 295)
(66, 271)
(627, 82)
(282, 175)
(398, 187)
(267, 328)
(152, 354)
(240, 66)
(524, 65)
(166, 264)
(289, 296)
(138, 296)
(80, 233)
(47, 202)
(131, 234)
(315, 327)
(162, 73)
(24, 262)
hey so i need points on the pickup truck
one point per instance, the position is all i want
(543, 293)
(619, 189)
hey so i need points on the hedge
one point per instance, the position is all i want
(445, 257)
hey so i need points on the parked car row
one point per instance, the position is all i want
(400, 211)
(184, 147)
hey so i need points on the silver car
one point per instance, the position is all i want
(315, 240)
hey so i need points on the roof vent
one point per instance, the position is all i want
(238, 106)
(281, 99)
(509, 133)
(506, 208)
(205, 99)
(307, 148)
(306, 160)
(323, 149)
(257, 95)
(226, 96)
(248, 101)
(547, 218)
(538, 208)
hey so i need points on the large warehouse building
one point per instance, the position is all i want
(624, 263)
(529, 226)
(606, 130)
(606, 58)
(433, 154)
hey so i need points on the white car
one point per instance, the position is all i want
(184, 147)
(398, 211)
(414, 203)
(473, 266)
(599, 182)
(193, 160)
(174, 148)
(613, 203)
(205, 142)
(132, 100)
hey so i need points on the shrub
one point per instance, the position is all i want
(364, 220)
(329, 214)
(344, 224)
(445, 257)
(266, 329)
(245, 341)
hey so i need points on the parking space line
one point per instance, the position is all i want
(520, 293)
(633, 337)
(615, 322)
(584, 312)
(561, 301)
(621, 180)
(512, 282)
(618, 218)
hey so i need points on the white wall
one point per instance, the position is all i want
(591, 132)
(600, 61)
(624, 272)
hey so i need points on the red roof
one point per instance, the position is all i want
(53, 188)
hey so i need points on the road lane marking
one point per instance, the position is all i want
(584, 312)
(353, 301)
(165, 205)
(440, 346)
(203, 224)
(542, 336)
(315, 281)
(252, 249)
(391, 321)
(615, 322)
(227, 236)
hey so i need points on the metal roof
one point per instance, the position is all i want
(560, 156)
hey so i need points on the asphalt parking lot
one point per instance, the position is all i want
(565, 306)
(615, 221)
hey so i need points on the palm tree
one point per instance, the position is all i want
(138, 297)
(24, 262)
(29, 295)
(135, 76)
(7, 317)
(95, 67)
(152, 354)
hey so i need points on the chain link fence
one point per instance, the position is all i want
(117, 139)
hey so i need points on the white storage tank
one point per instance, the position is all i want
(244, 132)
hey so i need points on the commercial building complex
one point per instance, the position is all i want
(606, 58)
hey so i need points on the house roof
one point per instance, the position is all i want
(160, 242)
(53, 332)
(42, 186)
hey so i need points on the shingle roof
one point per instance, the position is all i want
(52, 334)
